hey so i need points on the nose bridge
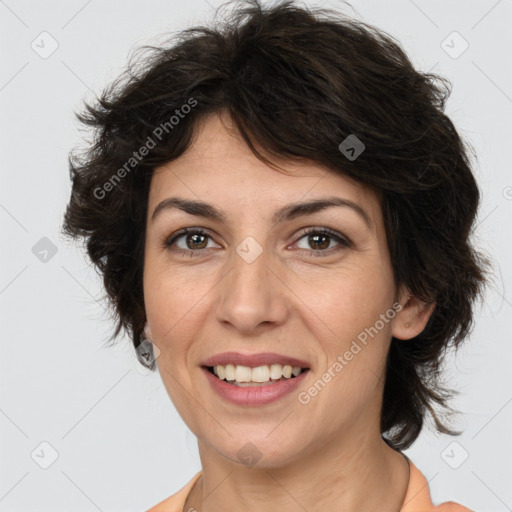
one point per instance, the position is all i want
(251, 293)
(249, 274)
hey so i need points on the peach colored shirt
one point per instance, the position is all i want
(417, 498)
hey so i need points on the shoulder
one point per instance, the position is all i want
(176, 502)
(418, 498)
(451, 506)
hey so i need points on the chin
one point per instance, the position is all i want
(259, 450)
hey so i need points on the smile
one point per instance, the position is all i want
(239, 375)
(249, 393)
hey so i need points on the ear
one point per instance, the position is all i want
(412, 318)
(147, 332)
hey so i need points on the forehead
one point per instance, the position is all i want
(219, 168)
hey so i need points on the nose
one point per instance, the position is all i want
(252, 294)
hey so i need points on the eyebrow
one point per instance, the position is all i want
(289, 212)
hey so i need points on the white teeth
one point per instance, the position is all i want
(296, 370)
(229, 372)
(276, 371)
(243, 374)
(259, 374)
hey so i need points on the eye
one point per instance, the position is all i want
(196, 240)
(320, 239)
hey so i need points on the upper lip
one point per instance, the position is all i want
(253, 360)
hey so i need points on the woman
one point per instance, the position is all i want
(281, 213)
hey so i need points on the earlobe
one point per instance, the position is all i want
(412, 318)
(147, 332)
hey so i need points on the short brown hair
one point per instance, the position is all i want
(297, 83)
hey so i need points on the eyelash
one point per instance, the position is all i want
(343, 241)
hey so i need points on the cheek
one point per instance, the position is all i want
(168, 293)
(351, 381)
(176, 305)
(356, 308)
(351, 299)
(174, 311)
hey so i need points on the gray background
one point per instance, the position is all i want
(120, 443)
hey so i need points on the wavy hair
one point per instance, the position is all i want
(296, 82)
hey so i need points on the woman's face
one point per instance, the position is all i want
(256, 283)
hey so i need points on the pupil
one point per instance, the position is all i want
(194, 237)
(316, 237)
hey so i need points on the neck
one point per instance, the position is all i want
(342, 474)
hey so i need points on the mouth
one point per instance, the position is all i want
(246, 376)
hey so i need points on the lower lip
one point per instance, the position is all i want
(253, 395)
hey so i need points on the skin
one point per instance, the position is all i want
(293, 299)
